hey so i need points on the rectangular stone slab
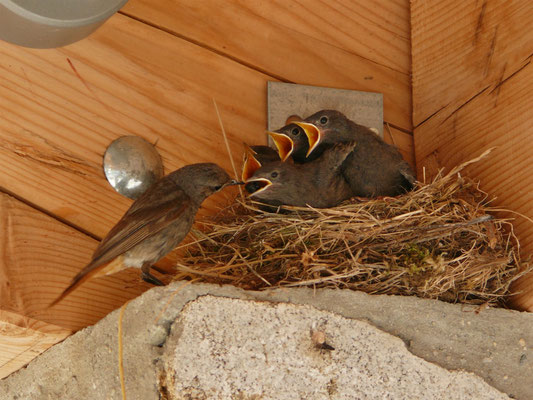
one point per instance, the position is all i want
(286, 99)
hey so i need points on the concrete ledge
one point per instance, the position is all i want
(494, 344)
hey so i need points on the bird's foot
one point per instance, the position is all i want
(148, 277)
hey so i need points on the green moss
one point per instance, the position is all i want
(415, 258)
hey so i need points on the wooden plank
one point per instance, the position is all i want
(60, 108)
(461, 47)
(39, 257)
(463, 131)
(403, 141)
(473, 75)
(23, 339)
(500, 117)
(341, 44)
(342, 23)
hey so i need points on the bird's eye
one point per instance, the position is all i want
(323, 120)
(295, 131)
(274, 174)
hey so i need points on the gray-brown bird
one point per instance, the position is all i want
(375, 168)
(318, 183)
(154, 224)
(292, 142)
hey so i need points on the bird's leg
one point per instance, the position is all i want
(160, 270)
(148, 277)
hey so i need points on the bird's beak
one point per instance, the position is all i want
(234, 182)
(313, 135)
(257, 185)
(251, 164)
(284, 144)
(230, 183)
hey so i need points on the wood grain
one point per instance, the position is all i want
(473, 90)
(403, 141)
(39, 257)
(61, 108)
(461, 47)
(22, 339)
(341, 44)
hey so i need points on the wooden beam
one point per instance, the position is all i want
(473, 90)
(61, 108)
(343, 44)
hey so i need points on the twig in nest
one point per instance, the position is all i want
(227, 145)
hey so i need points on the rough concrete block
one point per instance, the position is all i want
(494, 344)
(228, 348)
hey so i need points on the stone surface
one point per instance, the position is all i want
(228, 348)
(494, 344)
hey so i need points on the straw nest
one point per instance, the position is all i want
(438, 241)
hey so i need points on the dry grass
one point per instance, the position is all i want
(438, 241)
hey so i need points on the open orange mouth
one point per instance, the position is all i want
(283, 143)
(257, 185)
(251, 164)
(313, 135)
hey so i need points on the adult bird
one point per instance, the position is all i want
(154, 224)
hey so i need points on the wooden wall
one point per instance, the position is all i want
(473, 90)
(153, 70)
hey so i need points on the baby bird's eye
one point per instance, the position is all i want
(295, 131)
(323, 120)
(274, 174)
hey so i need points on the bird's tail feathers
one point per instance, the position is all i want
(92, 270)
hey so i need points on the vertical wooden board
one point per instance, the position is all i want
(461, 47)
(39, 257)
(345, 45)
(472, 90)
(500, 117)
(60, 108)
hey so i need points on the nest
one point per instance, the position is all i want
(438, 241)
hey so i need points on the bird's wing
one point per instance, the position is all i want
(147, 216)
(153, 211)
(332, 159)
(341, 151)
